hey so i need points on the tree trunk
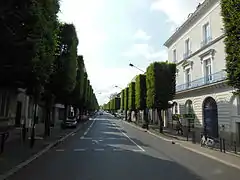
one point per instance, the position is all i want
(145, 118)
(65, 112)
(32, 141)
(126, 115)
(160, 120)
(47, 122)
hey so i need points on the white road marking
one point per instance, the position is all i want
(60, 150)
(130, 139)
(117, 149)
(137, 150)
(88, 129)
(89, 138)
(98, 149)
(95, 141)
(77, 150)
(189, 148)
(73, 134)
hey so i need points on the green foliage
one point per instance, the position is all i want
(66, 64)
(140, 92)
(29, 31)
(126, 98)
(112, 104)
(150, 84)
(131, 96)
(117, 101)
(77, 94)
(160, 84)
(231, 19)
(122, 99)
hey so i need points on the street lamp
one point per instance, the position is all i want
(118, 87)
(136, 67)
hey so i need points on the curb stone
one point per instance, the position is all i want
(37, 155)
(185, 147)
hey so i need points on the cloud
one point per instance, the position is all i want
(175, 10)
(146, 51)
(141, 35)
(104, 79)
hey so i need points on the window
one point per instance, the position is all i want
(188, 77)
(177, 76)
(187, 47)
(174, 55)
(208, 70)
(176, 108)
(206, 34)
(188, 107)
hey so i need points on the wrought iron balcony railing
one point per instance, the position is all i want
(213, 78)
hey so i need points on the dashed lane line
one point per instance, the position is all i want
(60, 150)
(130, 139)
(77, 150)
(99, 149)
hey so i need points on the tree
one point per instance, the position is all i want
(160, 86)
(126, 101)
(131, 96)
(231, 20)
(29, 31)
(140, 95)
(122, 99)
(77, 94)
(64, 79)
(117, 101)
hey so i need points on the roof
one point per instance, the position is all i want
(192, 17)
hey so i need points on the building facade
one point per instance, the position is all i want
(197, 47)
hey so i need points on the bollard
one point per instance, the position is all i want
(220, 144)
(235, 147)
(193, 137)
(2, 142)
(224, 150)
(187, 135)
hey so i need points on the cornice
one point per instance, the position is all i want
(199, 12)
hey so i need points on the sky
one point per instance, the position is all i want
(114, 33)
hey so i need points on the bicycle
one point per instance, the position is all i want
(206, 141)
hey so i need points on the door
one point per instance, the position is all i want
(18, 114)
(210, 117)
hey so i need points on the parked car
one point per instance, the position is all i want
(71, 122)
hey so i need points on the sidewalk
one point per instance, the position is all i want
(16, 151)
(226, 158)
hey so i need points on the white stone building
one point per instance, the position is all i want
(197, 47)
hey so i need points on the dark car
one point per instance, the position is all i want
(71, 122)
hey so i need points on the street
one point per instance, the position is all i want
(109, 149)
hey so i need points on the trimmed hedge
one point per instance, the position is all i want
(131, 96)
(122, 99)
(231, 20)
(117, 101)
(140, 92)
(161, 82)
(126, 99)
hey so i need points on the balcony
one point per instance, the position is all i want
(213, 78)
(206, 41)
(187, 54)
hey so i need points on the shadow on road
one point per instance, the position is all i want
(103, 165)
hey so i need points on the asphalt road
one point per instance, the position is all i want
(109, 149)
